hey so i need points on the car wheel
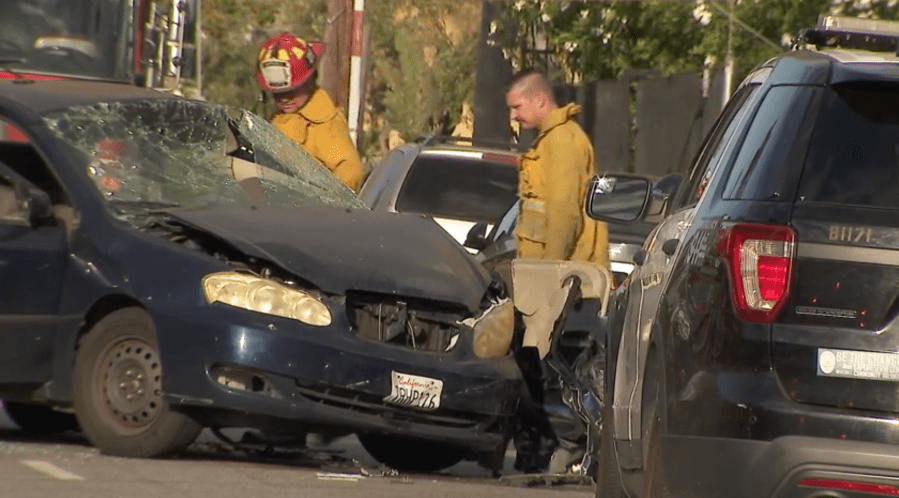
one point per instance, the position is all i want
(118, 390)
(413, 455)
(38, 419)
(608, 475)
(655, 485)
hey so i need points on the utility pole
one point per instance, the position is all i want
(335, 64)
(729, 58)
(355, 98)
(491, 116)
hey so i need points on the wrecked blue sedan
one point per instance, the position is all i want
(168, 265)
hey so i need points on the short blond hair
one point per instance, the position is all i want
(531, 81)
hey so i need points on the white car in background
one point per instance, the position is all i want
(449, 179)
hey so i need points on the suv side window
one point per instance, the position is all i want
(714, 147)
(775, 143)
(853, 157)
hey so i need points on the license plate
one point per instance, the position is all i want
(415, 391)
(858, 364)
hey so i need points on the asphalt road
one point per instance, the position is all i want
(38, 466)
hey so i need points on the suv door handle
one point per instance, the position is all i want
(669, 246)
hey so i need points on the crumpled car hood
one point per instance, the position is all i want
(342, 250)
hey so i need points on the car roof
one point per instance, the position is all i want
(830, 66)
(485, 153)
(462, 144)
(42, 96)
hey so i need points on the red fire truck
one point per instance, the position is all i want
(152, 43)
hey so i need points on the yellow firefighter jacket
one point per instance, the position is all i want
(321, 130)
(552, 185)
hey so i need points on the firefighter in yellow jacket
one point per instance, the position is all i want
(286, 69)
(552, 184)
(552, 225)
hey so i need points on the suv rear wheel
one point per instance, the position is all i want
(608, 475)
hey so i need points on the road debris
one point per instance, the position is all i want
(334, 476)
(532, 480)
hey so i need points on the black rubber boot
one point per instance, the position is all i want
(534, 437)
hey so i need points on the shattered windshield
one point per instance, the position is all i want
(172, 153)
(75, 37)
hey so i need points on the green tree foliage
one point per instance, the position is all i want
(600, 40)
(422, 56)
(597, 40)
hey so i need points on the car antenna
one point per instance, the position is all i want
(11, 60)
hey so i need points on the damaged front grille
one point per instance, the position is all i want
(415, 324)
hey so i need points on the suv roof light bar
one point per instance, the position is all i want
(856, 25)
(852, 33)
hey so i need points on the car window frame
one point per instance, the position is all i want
(20, 187)
(717, 143)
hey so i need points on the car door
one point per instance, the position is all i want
(649, 279)
(32, 263)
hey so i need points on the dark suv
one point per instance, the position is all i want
(758, 357)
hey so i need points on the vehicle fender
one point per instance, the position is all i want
(98, 281)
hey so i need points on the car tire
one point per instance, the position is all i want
(39, 419)
(117, 392)
(655, 484)
(608, 473)
(409, 454)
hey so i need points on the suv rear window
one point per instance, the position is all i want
(774, 147)
(457, 187)
(854, 153)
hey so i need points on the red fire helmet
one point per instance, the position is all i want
(286, 62)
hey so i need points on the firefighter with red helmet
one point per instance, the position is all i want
(306, 114)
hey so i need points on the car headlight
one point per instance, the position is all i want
(265, 296)
(493, 330)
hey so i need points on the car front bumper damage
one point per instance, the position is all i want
(243, 369)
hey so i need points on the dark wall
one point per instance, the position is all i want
(669, 123)
(645, 123)
(611, 130)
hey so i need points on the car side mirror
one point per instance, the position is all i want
(477, 236)
(617, 198)
(662, 193)
(40, 207)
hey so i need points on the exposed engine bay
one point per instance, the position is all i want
(405, 322)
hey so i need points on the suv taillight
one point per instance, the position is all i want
(760, 264)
